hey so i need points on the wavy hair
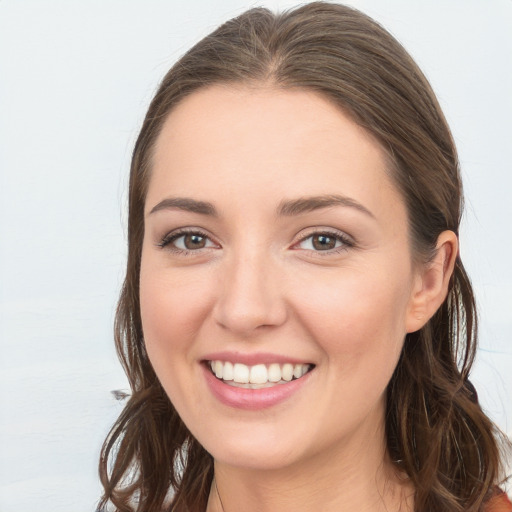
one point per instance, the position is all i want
(436, 431)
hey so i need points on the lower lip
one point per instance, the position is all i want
(252, 399)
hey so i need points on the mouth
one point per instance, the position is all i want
(257, 376)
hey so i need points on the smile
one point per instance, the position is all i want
(257, 376)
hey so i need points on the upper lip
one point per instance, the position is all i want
(253, 359)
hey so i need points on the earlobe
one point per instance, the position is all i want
(431, 285)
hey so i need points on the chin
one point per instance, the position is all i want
(256, 456)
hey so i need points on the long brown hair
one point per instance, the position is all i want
(436, 431)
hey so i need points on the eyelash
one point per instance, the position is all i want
(346, 242)
(167, 241)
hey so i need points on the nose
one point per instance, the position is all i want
(251, 296)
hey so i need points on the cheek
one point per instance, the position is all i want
(359, 326)
(170, 308)
(173, 308)
(358, 318)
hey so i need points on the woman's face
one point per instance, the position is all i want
(275, 243)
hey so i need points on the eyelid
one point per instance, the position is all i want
(166, 241)
(347, 241)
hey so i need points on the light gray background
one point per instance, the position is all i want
(75, 80)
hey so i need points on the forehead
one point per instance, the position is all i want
(265, 142)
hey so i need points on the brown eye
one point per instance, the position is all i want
(322, 242)
(182, 242)
(194, 241)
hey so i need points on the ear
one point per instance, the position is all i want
(431, 284)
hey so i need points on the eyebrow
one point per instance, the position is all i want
(286, 208)
(309, 204)
(186, 204)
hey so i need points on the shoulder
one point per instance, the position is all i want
(499, 503)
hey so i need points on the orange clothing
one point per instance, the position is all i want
(499, 503)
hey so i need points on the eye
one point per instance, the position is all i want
(324, 241)
(190, 242)
(320, 242)
(186, 241)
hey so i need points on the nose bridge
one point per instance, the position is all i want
(250, 292)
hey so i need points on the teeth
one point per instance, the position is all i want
(297, 371)
(240, 373)
(218, 369)
(258, 374)
(274, 372)
(287, 372)
(228, 372)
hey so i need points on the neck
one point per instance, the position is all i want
(358, 477)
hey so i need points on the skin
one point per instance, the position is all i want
(260, 285)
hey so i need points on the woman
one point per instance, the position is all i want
(296, 322)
